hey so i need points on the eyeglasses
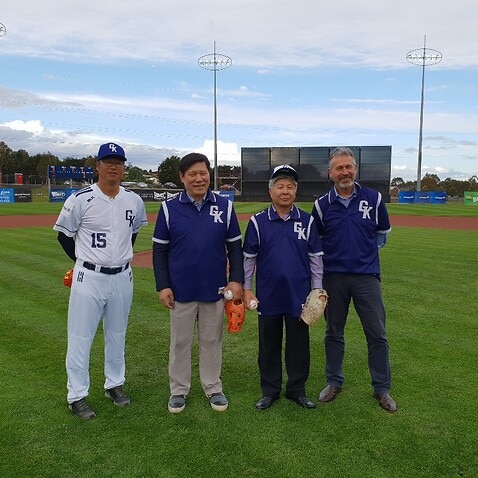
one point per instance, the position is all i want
(111, 164)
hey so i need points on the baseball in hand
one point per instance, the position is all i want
(228, 295)
(253, 304)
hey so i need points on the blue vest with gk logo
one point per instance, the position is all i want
(197, 244)
(282, 250)
(349, 233)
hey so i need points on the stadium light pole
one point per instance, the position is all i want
(215, 62)
(422, 57)
(3, 32)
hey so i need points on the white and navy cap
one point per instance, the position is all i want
(111, 150)
(284, 170)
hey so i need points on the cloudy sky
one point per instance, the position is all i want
(304, 73)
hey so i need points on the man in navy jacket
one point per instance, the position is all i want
(195, 241)
(353, 224)
(282, 248)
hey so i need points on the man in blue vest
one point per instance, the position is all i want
(196, 238)
(282, 247)
(353, 224)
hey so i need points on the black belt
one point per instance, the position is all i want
(105, 270)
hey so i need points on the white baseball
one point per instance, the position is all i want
(228, 295)
(253, 304)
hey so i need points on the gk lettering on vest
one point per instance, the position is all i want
(216, 214)
(300, 231)
(365, 209)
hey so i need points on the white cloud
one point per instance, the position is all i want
(266, 34)
(32, 126)
(227, 153)
(76, 74)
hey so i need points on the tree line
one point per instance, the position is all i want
(431, 182)
(34, 170)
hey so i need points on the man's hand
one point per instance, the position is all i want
(250, 300)
(235, 288)
(166, 297)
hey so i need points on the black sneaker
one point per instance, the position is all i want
(118, 395)
(176, 403)
(218, 401)
(81, 409)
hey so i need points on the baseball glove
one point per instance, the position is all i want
(68, 278)
(314, 308)
(235, 314)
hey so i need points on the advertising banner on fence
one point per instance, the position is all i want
(6, 195)
(23, 195)
(227, 194)
(147, 195)
(406, 197)
(152, 195)
(60, 195)
(422, 197)
(470, 197)
(438, 197)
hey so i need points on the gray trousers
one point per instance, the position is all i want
(209, 317)
(366, 293)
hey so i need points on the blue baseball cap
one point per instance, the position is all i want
(284, 170)
(111, 150)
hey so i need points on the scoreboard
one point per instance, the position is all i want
(70, 172)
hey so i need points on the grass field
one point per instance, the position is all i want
(430, 283)
(451, 209)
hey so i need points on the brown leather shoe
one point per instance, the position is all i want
(329, 393)
(386, 402)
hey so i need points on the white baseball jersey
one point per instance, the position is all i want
(102, 227)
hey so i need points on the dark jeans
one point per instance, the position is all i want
(297, 355)
(366, 293)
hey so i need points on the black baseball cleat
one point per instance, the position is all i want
(118, 395)
(81, 409)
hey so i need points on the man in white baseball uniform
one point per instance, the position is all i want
(97, 228)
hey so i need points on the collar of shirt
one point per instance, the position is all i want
(345, 201)
(274, 215)
(185, 198)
